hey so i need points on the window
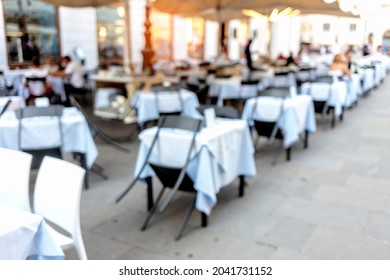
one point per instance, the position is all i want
(31, 30)
(161, 34)
(326, 27)
(111, 34)
(352, 27)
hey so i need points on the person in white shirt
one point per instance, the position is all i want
(73, 75)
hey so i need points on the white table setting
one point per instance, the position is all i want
(293, 115)
(223, 152)
(42, 130)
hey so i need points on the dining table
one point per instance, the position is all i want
(26, 236)
(223, 152)
(40, 131)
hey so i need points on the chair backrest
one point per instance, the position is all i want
(325, 80)
(32, 111)
(249, 82)
(36, 85)
(57, 193)
(15, 177)
(223, 76)
(279, 92)
(166, 104)
(220, 111)
(180, 122)
(55, 147)
(5, 107)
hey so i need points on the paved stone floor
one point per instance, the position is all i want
(331, 201)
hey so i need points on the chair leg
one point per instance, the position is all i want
(83, 163)
(150, 202)
(152, 210)
(277, 153)
(186, 219)
(306, 140)
(333, 120)
(288, 154)
(241, 186)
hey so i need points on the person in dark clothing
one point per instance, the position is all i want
(248, 55)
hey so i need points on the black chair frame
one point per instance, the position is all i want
(174, 178)
(38, 154)
(95, 132)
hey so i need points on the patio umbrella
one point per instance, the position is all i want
(81, 3)
(224, 10)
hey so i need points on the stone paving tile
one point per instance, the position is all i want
(288, 234)
(138, 253)
(338, 245)
(201, 244)
(369, 183)
(379, 226)
(265, 228)
(286, 254)
(324, 214)
(353, 198)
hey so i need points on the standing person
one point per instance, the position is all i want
(367, 48)
(248, 55)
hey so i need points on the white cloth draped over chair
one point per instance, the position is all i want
(297, 115)
(335, 94)
(146, 104)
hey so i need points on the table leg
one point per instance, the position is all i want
(306, 139)
(83, 163)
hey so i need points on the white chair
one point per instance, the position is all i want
(57, 198)
(15, 176)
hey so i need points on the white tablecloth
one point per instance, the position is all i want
(222, 153)
(16, 78)
(146, 104)
(16, 102)
(39, 131)
(232, 89)
(335, 94)
(24, 235)
(297, 116)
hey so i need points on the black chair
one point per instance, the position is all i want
(54, 111)
(174, 178)
(95, 132)
(174, 89)
(278, 92)
(5, 107)
(222, 76)
(37, 87)
(220, 112)
(322, 106)
(270, 129)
